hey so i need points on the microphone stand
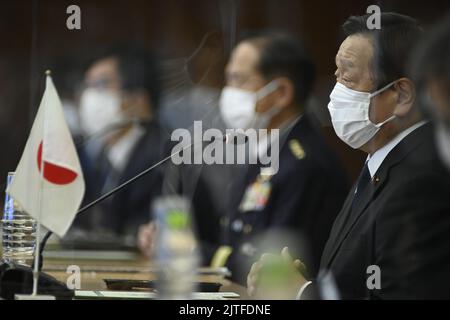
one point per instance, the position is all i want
(107, 195)
(16, 278)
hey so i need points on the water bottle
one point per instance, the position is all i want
(176, 255)
(18, 232)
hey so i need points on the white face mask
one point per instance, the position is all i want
(349, 110)
(99, 110)
(442, 134)
(237, 107)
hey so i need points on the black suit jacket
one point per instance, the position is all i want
(131, 207)
(306, 195)
(401, 224)
(126, 210)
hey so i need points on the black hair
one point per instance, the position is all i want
(281, 54)
(393, 43)
(138, 69)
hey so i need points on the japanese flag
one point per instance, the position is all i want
(49, 183)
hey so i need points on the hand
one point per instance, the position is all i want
(285, 286)
(146, 239)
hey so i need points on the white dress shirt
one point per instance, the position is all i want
(120, 152)
(374, 162)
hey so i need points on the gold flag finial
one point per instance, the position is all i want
(48, 73)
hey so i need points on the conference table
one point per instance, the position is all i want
(96, 266)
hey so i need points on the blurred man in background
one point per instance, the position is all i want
(431, 68)
(118, 110)
(391, 238)
(269, 79)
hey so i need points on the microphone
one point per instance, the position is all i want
(235, 138)
(18, 278)
(109, 194)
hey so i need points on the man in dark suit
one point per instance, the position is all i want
(431, 70)
(302, 198)
(118, 116)
(399, 224)
(391, 239)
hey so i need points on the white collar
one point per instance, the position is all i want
(119, 153)
(374, 162)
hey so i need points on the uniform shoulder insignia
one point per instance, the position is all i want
(297, 149)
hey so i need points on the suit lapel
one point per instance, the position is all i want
(349, 217)
(353, 215)
(337, 228)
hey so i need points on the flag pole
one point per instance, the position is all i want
(38, 225)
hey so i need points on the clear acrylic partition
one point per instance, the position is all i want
(190, 42)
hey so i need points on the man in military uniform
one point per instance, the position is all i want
(302, 198)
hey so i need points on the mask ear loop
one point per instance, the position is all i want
(266, 90)
(379, 125)
(386, 121)
(260, 94)
(381, 90)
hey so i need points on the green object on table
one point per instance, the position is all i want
(276, 272)
(177, 220)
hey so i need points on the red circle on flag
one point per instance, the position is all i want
(53, 173)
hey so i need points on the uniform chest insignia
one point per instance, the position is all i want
(256, 195)
(297, 149)
(266, 173)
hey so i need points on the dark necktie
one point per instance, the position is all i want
(347, 218)
(107, 180)
(363, 180)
